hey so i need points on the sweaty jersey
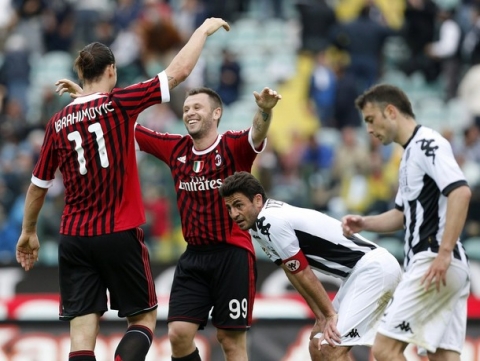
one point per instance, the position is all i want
(197, 176)
(91, 141)
(428, 173)
(297, 236)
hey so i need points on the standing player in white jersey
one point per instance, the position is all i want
(429, 307)
(299, 240)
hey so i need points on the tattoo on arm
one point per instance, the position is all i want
(265, 116)
(172, 82)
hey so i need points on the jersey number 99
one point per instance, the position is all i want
(238, 308)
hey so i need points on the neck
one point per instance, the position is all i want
(405, 131)
(205, 142)
(97, 87)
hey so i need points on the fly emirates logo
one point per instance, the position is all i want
(200, 184)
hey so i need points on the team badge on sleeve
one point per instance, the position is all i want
(296, 263)
(293, 265)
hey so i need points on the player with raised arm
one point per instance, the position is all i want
(299, 240)
(217, 270)
(429, 307)
(199, 162)
(92, 142)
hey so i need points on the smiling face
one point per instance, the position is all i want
(199, 116)
(243, 211)
(380, 122)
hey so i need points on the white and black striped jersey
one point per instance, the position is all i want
(428, 173)
(284, 231)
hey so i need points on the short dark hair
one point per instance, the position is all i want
(383, 95)
(92, 61)
(215, 100)
(242, 182)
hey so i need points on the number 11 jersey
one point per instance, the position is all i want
(91, 141)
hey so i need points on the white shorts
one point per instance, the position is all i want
(429, 319)
(364, 295)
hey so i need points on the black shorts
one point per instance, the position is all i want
(117, 262)
(222, 277)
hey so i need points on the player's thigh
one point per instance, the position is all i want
(123, 261)
(82, 290)
(234, 289)
(190, 296)
(363, 297)
(328, 353)
(425, 317)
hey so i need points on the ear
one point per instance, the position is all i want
(258, 201)
(111, 70)
(391, 111)
(217, 113)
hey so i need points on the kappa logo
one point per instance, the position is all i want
(426, 146)
(404, 326)
(182, 159)
(353, 333)
(293, 265)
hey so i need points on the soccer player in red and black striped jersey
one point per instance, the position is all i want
(91, 141)
(218, 267)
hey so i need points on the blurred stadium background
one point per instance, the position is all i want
(319, 54)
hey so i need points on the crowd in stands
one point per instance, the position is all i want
(336, 168)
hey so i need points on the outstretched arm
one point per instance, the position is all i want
(184, 62)
(181, 65)
(266, 101)
(28, 244)
(386, 222)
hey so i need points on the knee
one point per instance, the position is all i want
(329, 353)
(232, 340)
(315, 353)
(179, 335)
(380, 353)
(147, 319)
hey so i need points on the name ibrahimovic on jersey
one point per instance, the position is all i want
(79, 116)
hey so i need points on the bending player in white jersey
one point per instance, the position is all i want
(429, 307)
(300, 239)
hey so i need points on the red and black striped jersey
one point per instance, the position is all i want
(91, 141)
(197, 176)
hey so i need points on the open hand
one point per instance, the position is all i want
(27, 250)
(68, 86)
(352, 224)
(437, 272)
(211, 25)
(267, 99)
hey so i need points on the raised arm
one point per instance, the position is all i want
(266, 101)
(181, 65)
(184, 62)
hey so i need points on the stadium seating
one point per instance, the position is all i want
(394, 245)
(472, 247)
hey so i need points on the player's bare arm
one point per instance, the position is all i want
(457, 208)
(28, 244)
(184, 62)
(181, 65)
(386, 222)
(266, 100)
(308, 285)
